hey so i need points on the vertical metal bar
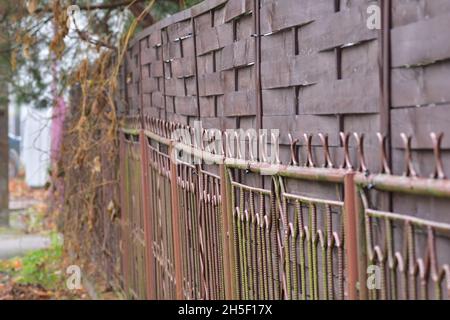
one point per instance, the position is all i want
(196, 239)
(385, 70)
(257, 29)
(385, 88)
(234, 240)
(175, 224)
(194, 35)
(226, 216)
(219, 222)
(276, 243)
(146, 192)
(241, 240)
(258, 85)
(164, 75)
(122, 206)
(253, 247)
(313, 256)
(361, 240)
(350, 235)
(124, 221)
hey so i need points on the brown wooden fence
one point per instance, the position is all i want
(355, 108)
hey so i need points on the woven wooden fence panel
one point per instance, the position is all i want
(311, 67)
(315, 68)
(320, 68)
(300, 66)
(304, 66)
(420, 71)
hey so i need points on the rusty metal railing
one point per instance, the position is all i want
(409, 248)
(203, 229)
(404, 247)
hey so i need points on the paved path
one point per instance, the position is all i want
(13, 242)
(22, 204)
(16, 245)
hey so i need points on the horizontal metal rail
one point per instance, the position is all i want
(269, 239)
(403, 184)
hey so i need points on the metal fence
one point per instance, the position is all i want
(345, 215)
(196, 230)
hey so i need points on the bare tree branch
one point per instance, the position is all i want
(135, 6)
(85, 36)
(101, 6)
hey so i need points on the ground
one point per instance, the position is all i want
(32, 259)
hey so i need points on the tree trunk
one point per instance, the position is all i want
(4, 156)
(4, 143)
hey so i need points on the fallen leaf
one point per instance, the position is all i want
(32, 6)
(97, 167)
(17, 264)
